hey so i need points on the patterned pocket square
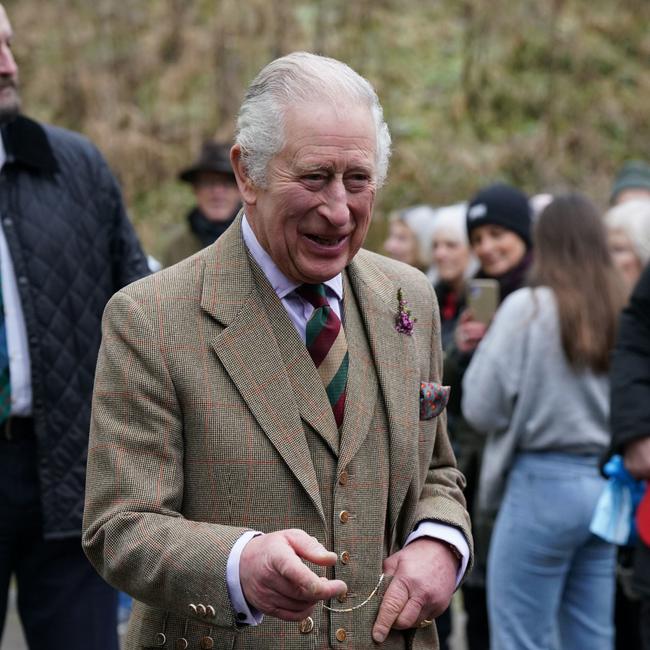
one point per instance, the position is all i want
(433, 399)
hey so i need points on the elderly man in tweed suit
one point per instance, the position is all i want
(268, 467)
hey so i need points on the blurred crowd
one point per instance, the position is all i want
(530, 291)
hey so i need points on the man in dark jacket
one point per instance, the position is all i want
(217, 203)
(66, 246)
(630, 381)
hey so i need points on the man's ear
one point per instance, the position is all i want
(247, 188)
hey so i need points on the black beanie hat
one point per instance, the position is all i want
(501, 205)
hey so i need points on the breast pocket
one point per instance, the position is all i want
(433, 399)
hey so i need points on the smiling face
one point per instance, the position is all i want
(9, 98)
(401, 243)
(450, 256)
(498, 249)
(313, 215)
(217, 195)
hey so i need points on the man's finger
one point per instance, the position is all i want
(306, 584)
(310, 549)
(394, 601)
(411, 614)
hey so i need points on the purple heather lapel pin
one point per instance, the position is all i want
(403, 322)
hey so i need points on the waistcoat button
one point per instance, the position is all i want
(306, 625)
(345, 557)
(341, 634)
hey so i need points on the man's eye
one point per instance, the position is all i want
(356, 181)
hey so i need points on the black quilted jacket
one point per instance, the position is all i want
(630, 386)
(72, 247)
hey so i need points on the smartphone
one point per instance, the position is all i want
(483, 298)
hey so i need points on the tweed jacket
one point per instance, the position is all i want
(207, 417)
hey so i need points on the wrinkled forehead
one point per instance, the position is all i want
(4, 20)
(5, 27)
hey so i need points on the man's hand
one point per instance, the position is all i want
(637, 458)
(424, 578)
(276, 582)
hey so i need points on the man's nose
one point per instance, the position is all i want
(337, 210)
(8, 67)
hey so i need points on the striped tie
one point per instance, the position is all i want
(327, 346)
(5, 384)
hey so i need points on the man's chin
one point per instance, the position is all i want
(9, 109)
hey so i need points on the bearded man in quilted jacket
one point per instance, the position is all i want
(66, 246)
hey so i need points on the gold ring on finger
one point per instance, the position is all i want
(425, 623)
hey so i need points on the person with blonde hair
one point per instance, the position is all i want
(409, 236)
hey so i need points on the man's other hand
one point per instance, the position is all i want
(637, 458)
(424, 578)
(275, 580)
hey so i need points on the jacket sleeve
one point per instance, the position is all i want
(134, 533)
(630, 370)
(491, 381)
(442, 498)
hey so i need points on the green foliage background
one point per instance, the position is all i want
(548, 95)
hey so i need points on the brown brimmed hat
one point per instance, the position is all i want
(214, 157)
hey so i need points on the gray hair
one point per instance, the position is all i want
(633, 218)
(301, 77)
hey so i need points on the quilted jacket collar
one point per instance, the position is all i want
(26, 144)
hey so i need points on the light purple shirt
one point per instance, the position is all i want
(300, 312)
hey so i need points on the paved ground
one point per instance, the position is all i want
(13, 637)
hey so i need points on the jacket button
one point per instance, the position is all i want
(342, 597)
(161, 639)
(181, 644)
(200, 609)
(207, 643)
(345, 557)
(7, 222)
(22, 280)
(344, 517)
(193, 608)
(306, 625)
(343, 478)
(341, 634)
(210, 611)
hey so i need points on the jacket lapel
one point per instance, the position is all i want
(395, 359)
(307, 385)
(362, 388)
(249, 352)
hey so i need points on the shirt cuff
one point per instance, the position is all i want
(244, 614)
(447, 534)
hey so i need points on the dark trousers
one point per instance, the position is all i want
(478, 631)
(645, 623)
(62, 602)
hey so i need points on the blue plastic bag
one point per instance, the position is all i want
(613, 518)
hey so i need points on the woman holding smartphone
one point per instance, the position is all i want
(538, 386)
(498, 222)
